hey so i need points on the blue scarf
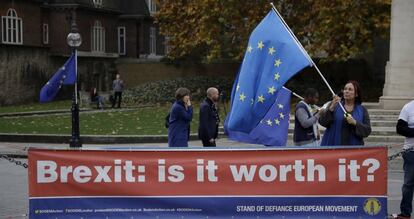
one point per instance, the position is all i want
(333, 133)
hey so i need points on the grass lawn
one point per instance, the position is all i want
(55, 105)
(142, 121)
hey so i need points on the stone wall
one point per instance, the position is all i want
(22, 73)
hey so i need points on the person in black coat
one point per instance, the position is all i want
(209, 118)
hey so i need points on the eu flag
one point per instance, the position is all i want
(272, 129)
(65, 75)
(272, 57)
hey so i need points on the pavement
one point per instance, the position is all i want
(14, 186)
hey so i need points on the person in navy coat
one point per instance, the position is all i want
(209, 119)
(181, 115)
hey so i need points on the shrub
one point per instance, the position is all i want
(161, 92)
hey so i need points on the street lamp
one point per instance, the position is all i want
(74, 40)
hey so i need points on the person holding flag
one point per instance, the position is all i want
(349, 128)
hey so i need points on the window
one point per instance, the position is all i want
(152, 6)
(121, 41)
(45, 33)
(153, 41)
(98, 37)
(97, 3)
(167, 45)
(12, 28)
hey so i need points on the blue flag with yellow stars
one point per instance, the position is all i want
(272, 130)
(65, 75)
(272, 57)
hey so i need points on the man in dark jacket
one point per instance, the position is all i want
(209, 119)
(306, 131)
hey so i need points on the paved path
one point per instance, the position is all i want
(13, 179)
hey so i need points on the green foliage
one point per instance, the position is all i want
(164, 91)
(207, 30)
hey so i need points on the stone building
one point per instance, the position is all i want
(33, 42)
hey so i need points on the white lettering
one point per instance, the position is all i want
(46, 171)
(238, 175)
(272, 173)
(82, 174)
(176, 174)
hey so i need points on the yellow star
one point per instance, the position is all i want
(261, 99)
(271, 50)
(281, 115)
(269, 122)
(238, 87)
(280, 106)
(249, 49)
(277, 76)
(277, 62)
(271, 90)
(242, 97)
(260, 45)
(277, 122)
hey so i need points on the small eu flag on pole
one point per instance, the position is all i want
(65, 75)
(272, 57)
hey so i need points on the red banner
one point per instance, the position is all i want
(345, 171)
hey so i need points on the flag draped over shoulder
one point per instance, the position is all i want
(272, 57)
(65, 75)
(272, 129)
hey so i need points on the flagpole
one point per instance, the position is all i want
(76, 74)
(294, 94)
(299, 44)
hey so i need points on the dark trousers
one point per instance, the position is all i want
(408, 186)
(117, 96)
(207, 143)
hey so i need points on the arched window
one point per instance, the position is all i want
(98, 37)
(98, 3)
(12, 28)
(152, 6)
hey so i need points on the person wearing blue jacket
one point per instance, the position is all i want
(181, 114)
(348, 128)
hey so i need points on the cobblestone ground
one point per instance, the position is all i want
(14, 191)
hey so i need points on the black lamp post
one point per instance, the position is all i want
(74, 40)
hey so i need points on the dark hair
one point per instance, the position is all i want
(311, 92)
(357, 88)
(181, 92)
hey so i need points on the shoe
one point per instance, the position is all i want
(401, 216)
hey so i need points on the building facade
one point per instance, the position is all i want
(33, 42)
